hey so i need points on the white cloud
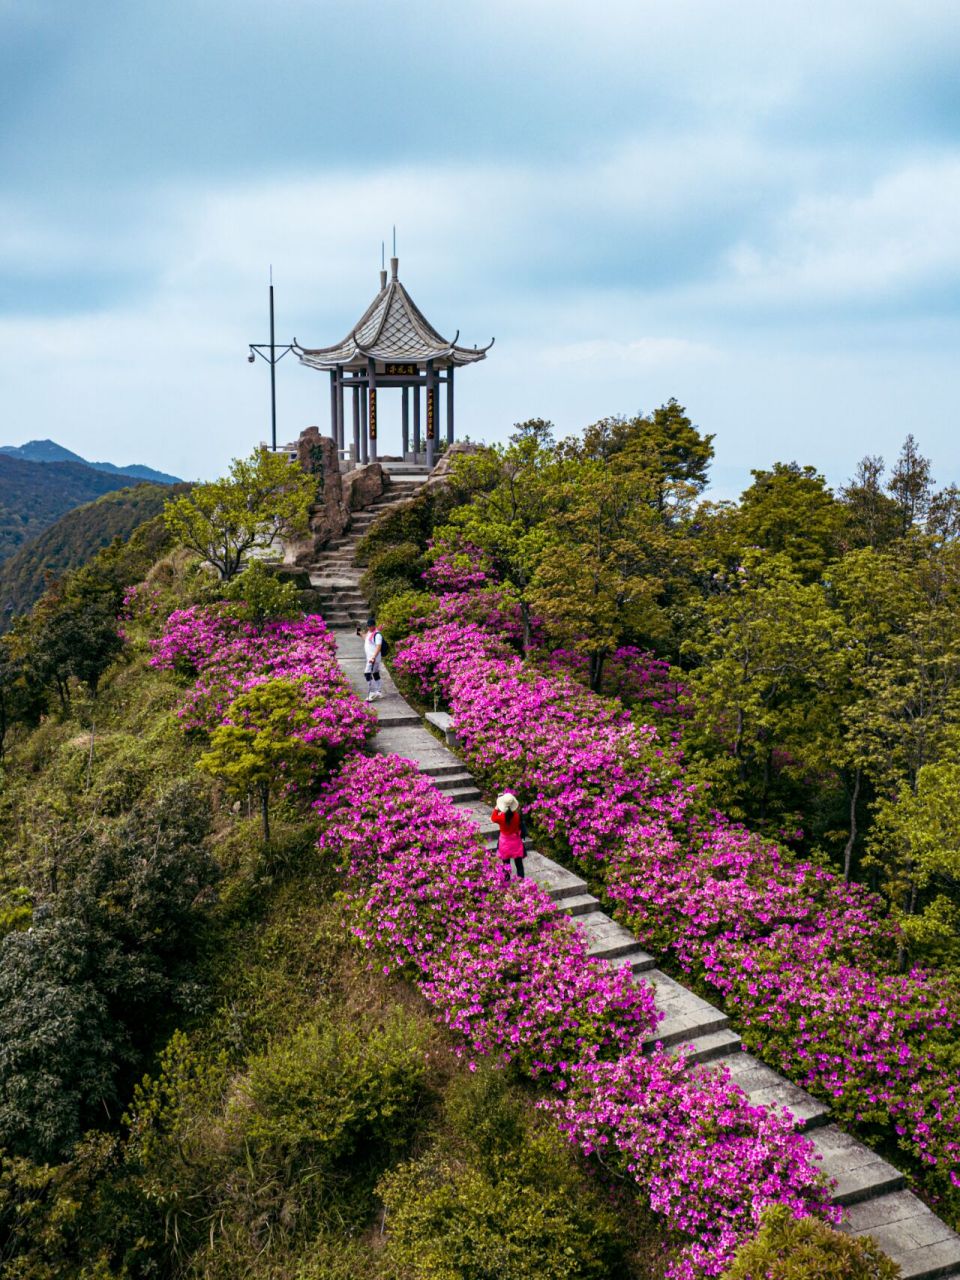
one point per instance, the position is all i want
(603, 354)
(900, 236)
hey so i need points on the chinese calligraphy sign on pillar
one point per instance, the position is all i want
(431, 413)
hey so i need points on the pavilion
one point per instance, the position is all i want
(391, 345)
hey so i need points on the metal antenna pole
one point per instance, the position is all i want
(261, 349)
(273, 373)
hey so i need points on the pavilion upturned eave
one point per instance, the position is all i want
(358, 358)
(392, 330)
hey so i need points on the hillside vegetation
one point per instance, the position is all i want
(73, 540)
(266, 1008)
(34, 495)
(798, 654)
(202, 1075)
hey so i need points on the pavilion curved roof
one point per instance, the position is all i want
(393, 329)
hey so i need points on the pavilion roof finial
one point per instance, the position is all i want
(394, 267)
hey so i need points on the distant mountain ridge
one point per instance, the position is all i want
(49, 451)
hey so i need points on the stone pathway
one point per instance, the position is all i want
(871, 1190)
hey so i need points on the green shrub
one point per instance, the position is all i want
(292, 1147)
(262, 595)
(329, 1097)
(789, 1248)
(83, 993)
(403, 613)
(408, 522)
(392, 571)
(499, 1194)
(82, 1220)
(330, 1257)
(531, 1217)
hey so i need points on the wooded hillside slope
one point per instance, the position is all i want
(73, 540)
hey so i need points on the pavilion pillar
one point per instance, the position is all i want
(431, 414)
(356, 426)
(338, 430)
(450, 405)
(405, 426)
(364, 450)
(333, 404)
(372, 384)
(416, 419)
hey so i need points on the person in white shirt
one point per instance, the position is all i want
(372, 645)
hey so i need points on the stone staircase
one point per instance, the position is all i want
(335, 575)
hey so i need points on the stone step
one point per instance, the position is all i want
(907, 1231)
(387, 719)
(710, 1047)
(606, 940)
(685, 1015)
(637, 961)
(766, 1087)
(462, 794)
(557, 881)
(452, 781)
(581, 904)
(859, 1173)
(441, 770)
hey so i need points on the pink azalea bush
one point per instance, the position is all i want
(709, 1161)
(456, 569)
(636, 676)
(805, 963)
(227, 657)
(142, 600)
(512, 978)
(503, 968)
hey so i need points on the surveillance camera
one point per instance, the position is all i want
(250, 358)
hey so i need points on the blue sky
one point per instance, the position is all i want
(751, 207)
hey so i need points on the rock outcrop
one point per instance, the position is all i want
(363, 485)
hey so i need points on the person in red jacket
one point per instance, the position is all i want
(510, 844)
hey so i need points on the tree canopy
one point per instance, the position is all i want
(260, 499)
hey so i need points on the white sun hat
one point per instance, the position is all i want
(507, 803)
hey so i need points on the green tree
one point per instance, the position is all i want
(770, 657)
(263, 498)
(910, 483)
(516, 491)
(72, 633)
(943, 515)
(265, 742)
(597, 579)
(874, 520)
(916, 843)
(22, 697)
(665, 444)
(789, 509)
(902, 614)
